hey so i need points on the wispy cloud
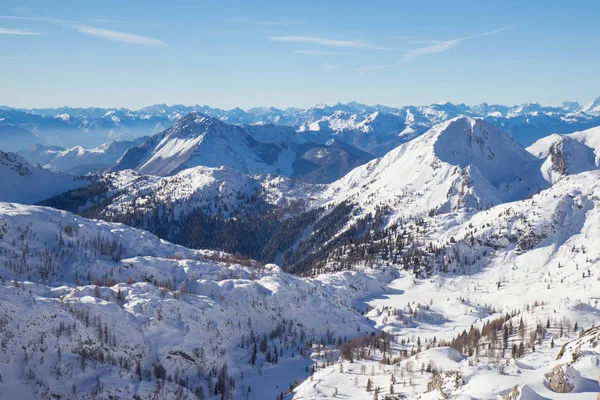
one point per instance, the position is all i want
(434, 47)
(445, 45)
(331, 67)
(222, 32)
(31, 18)
(351, 44)
(271, 22)
(106, 21)
(19, 32)
(108, 34)
(117, 36)
(322, 53)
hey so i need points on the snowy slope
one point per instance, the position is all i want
(462, 164)
(535, 260)
(96, 309)
(213, 190)
(24, 183)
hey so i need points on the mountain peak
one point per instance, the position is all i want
(465, 141)
(593, 107)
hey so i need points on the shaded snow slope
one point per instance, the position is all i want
(24, 183)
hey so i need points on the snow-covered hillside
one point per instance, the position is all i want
(22, 182)
(520, 280)
(214, 190)
(93, 309)
(78, 160)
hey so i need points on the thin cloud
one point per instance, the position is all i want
(106, 21)
(52, 20)
(435, 47)
(19, 32)
(447, 44)
(273, 22)
(322, 53)
(108, 34)
(117, 36)
(352, 44)
(331, 67)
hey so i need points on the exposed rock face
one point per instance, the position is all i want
(558, 379)
(514, 394)
(445, 382)
(558, 161)
(528, 241)
(437, 383)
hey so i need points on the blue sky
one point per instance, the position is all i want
(282, 53)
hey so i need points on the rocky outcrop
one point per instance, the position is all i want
(558, 379)
(445, 382)
(513, 395)
(558, 160)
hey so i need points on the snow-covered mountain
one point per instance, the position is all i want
(458, 265)
(199, 207)
(568, 154)
(199, 140)
(535, 260)
(79, 160)
(593, 107)
(461, 164)
(374, 129)
(22, 182)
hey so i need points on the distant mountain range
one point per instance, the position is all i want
(373, 129)
(79, 160)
